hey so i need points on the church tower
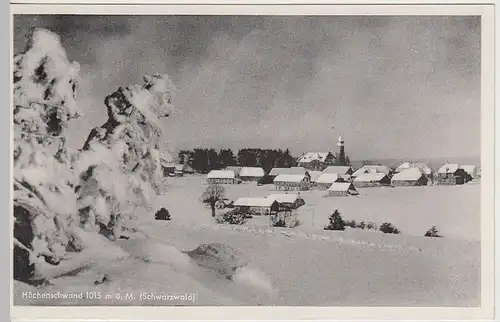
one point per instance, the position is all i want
(341, 157)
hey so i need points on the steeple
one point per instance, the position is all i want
(341, 156)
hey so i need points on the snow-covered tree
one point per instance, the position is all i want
(61, 195)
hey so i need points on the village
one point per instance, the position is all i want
(285, 192)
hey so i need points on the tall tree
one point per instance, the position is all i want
(211, 195)
(226, 158)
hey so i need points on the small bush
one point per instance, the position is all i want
(163, 214)
(361, 225)
(371, 225)
(336, 222)
(231, 217)
(351, 223)
(388, 228)
(293, 223)
(279, 223)
(433, 232)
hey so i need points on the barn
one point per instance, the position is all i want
(342, 189)
(316, 160)
(292, 181)
(409, 177)
(325, 180)
(221, 177)
(251, 173)
(372, 179)
(289, 200)
(258, 206)
(425, 169)
(452, 174)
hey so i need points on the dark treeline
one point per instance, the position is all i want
(205, 160)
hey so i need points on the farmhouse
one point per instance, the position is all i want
(342, 189)
(372, 179)
(452, 174)
(316, 160)
(326, 179)
(372, 169)
(409, 177)
(260, 206)
(471, 170)
(290, 201)
(236, 169)
(251, 173)
(221, 177)
(340, 170)
(292, 181)
(314, 176)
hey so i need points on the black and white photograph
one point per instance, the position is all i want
(247, 160)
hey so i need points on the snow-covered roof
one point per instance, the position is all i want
(341, 186)
(253, 202)
(251, 172)
(297, 170)
(470, 169)
(372, 169)
(337, 169)
(236, 169)
(327, 178)
(285, 177)
(370, 177)
(449, 168)
(315, 175)
(410, 174)
(284, 198)
(179, 167)
(164, 163)
(277, 171)
(221, 174)
(311, 156)
(407, 165)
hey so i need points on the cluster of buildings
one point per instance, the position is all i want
(316, 170)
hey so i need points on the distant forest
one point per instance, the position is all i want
(205, 160)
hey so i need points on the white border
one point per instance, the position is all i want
(207, 313)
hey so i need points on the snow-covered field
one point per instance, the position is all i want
(301, 266)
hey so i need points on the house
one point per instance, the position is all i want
(292, 181)
(167, 167)
(340, 170)
(314, 176)
(372, 169)
(410, 177)
(221, 177)
(251, 173)
(258, 206)
(316, 160)
(325, 180)
(371, 179)
(236, 169)
(342, 189)
(179, 170)
(452, 174)
(471, 170)
(277, 171)
(289, 201)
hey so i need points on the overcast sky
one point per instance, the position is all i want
(392, 86)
